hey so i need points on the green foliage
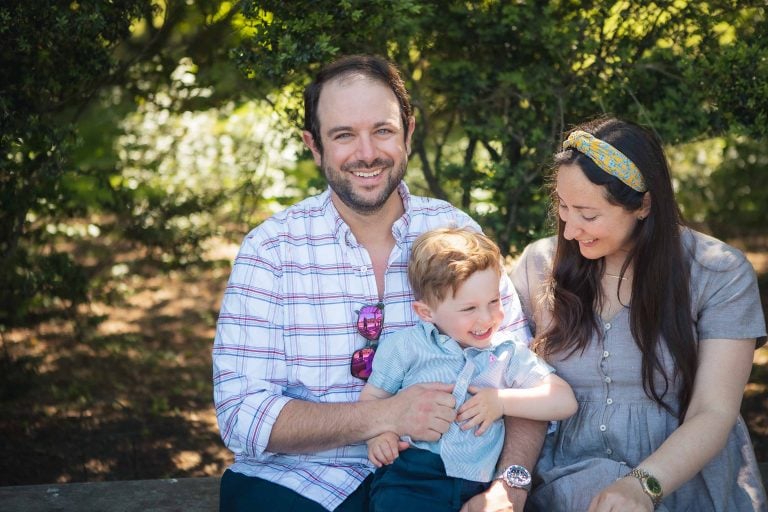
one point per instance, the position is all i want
(495, 84)
(132, 119)
(53, 57)
(739, 191)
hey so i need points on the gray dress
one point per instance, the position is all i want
(617, 425)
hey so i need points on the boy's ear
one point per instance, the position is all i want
(423, 310)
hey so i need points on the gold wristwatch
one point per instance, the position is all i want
(651, 485)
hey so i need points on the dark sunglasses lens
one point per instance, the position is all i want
(362, 362)
(369, 321)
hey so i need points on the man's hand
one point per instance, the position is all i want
(423, 411)
(481, 410)
(385, 448)
(498, 498)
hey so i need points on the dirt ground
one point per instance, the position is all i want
(128, 395)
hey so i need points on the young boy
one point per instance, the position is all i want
(455, 274)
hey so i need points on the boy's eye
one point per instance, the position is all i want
(588, 219)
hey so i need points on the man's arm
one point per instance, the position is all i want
(423, 411)
(522, 443)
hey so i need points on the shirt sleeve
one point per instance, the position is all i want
(389, 363)
(515, 325)
(249, 369)
(525, 369)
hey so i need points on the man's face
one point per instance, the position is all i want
(365, 148)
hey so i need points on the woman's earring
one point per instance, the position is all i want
(640, 217)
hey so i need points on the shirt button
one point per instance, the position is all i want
(606, 353)
(609, 401)
(603, 428)
(609, 451)
(607, 326)
(607, 380)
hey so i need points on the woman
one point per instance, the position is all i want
(654, 326)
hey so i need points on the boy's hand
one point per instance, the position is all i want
(385, 448)
(481, 410)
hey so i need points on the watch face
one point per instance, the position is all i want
(652, 485)
(517, 476)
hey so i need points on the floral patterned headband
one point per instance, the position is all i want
(607, 157)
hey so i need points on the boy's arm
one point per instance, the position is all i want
(552, 399)
(385, 447)
(371, 392)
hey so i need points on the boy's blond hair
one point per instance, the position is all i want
(443, 259)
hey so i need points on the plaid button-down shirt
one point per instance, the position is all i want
(287, 330)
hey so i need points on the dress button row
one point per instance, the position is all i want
(607, 380)
(609, 401)
(607, 326)
(609, 451)
(606, 354)
(603, 428)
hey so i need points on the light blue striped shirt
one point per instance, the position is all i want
(421, 354)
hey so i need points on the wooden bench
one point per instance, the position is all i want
(172, 495)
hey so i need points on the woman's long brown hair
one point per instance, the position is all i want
(660, 300)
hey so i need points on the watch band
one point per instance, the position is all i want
(649, 484)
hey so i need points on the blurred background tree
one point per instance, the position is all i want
(137, 134)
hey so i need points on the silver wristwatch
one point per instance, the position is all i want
(516, 477)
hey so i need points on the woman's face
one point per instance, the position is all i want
(602, 229)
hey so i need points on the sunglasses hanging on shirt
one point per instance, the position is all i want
(370, 320)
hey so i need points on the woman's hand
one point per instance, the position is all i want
(625, 495)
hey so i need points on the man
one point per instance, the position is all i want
(302, 289)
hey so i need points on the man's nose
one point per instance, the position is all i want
(366, 149)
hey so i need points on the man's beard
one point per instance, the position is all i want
(344, 190)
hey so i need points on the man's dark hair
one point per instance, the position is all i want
(373, 67)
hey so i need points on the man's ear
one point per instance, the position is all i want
(310, 142)
(423, 310)
(409, 134)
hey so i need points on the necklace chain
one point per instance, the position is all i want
(623, 278)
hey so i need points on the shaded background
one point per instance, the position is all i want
(140, 140)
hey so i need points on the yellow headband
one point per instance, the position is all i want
(608, 158)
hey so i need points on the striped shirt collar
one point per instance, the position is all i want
(344, 234)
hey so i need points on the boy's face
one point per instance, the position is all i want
(471, 316)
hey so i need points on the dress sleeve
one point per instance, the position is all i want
(529, 275)
(249, 370)
(727, 297)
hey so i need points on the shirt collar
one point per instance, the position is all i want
(445, 342)
(341, 230)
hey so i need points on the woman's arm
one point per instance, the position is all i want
(723, 372)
